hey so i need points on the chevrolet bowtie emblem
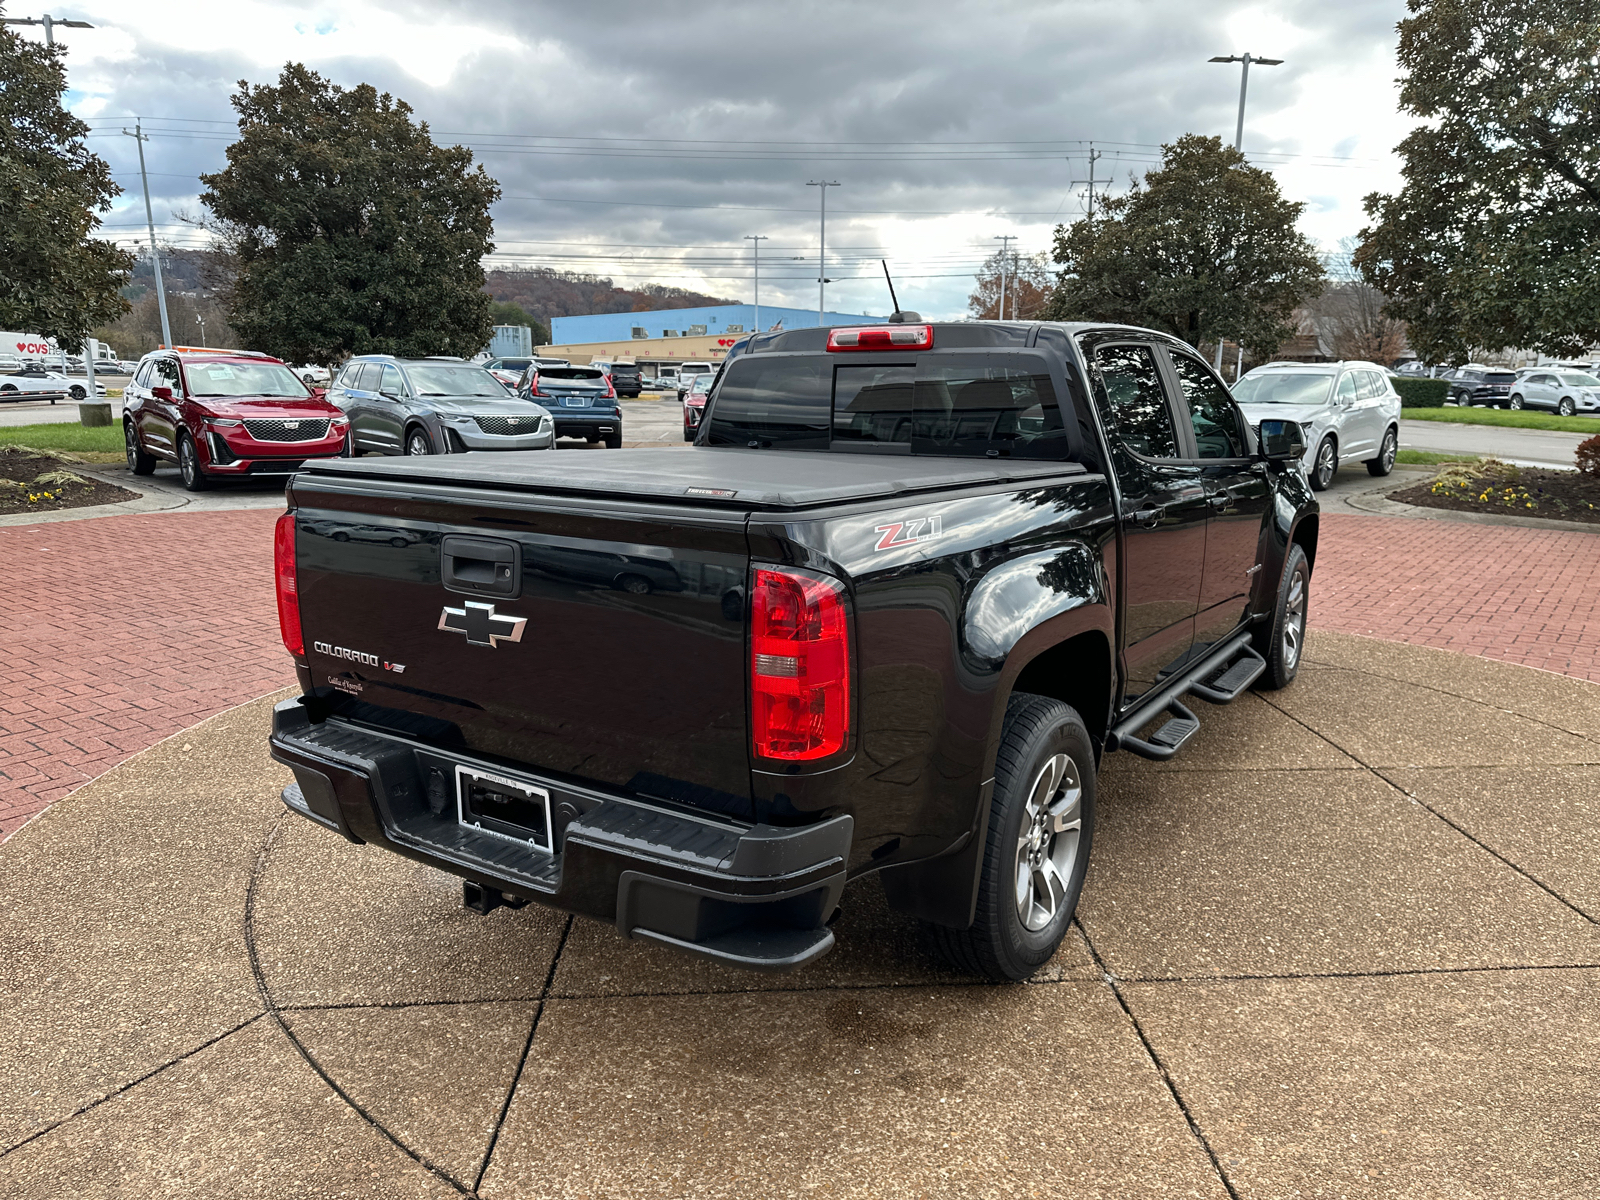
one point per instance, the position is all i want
(482, 625)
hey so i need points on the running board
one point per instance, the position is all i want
(1227, 684)
(1169, 739)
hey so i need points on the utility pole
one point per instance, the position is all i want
(755, 240)
(1238, 132)
(1006, 239)
(1094, 156)
(49, 24)
(139, 136)
(822, 249)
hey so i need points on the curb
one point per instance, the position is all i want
(1373, 502)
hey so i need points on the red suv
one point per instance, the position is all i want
(221, 413)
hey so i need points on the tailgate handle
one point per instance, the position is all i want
(480, 566)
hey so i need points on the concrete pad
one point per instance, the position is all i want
(435, 1076)
(337, 923)
(1475, 1087)
(1559, 700)
(1304, 872)
(876, 948)
(121, 946)
(1544, 819)
(1247, 735)
(1385, 722)
(1034, 1090)
(245, 1117)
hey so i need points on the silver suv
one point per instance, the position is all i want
(1349, 410)
(434, 406)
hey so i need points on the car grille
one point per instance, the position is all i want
(509, 426)
(308, 430)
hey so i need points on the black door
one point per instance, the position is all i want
(1164, 513)
(1236, 493)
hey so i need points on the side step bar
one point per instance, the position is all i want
(1219, 678)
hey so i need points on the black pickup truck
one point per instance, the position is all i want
(909, 584)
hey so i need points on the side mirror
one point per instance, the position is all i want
(161, 393)
(1282, 441)
(321, 393)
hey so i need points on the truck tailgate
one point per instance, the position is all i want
(618, 660)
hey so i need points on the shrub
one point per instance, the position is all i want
(1588, 456)
(1420, 393)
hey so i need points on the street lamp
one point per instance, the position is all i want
(49, 24)
(201, 321)
(755, 240)
(1244, 84)
(822, 249)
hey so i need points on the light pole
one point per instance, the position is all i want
(1238, 133)
(139, 136)
(49, 24)
(822, 249)
(755, 240)
(1006, 239)
(201, 321)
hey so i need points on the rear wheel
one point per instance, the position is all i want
(418, 442)
(613, 441)
(1384, 463)
(139, 462)
(78, 392)
(1283, 641)
(189, 465)
(1041, 824)
(1566, 408)
(1516, 400)
(1325, 465)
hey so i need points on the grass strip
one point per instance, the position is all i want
(68, 435)
(1504, 418)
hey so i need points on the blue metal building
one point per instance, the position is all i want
(714, 321)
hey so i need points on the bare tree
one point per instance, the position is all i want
(1349, 315)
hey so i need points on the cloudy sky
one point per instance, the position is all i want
(644, 141)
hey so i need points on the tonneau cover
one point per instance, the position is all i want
(733, 476)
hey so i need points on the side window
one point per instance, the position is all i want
(392, 384)
(1347, 389)
(164, 373)
(347, 377)
(1369, 386)
(367, 381)
(1211, 410)
(141, 377)
(1139, 412)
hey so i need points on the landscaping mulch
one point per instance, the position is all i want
(34, 482)
(1496, 487)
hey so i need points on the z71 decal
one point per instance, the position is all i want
(907, 533)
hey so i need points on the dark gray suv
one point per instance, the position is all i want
(434, 406)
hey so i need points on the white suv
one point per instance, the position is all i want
(1349, 410)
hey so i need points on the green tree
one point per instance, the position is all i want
(353, 232)
(55, 280)
(1205, 248)
(1494, 235)
(508, 312)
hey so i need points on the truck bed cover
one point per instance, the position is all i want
(732, 476)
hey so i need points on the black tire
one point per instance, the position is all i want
(1387, 449)
(1566, 407)
(194, 478)
(139, 462)
(1000, 945)
(1282, 641)
(1325, 465)
(418, 442)
(636, 585)
(613, 441)
(1516, 400)
(348, 449)
(78, 393)
(341, 536)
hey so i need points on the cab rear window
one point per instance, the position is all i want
(997, 404)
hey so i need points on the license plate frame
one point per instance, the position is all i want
(520, 815)
(576, 401)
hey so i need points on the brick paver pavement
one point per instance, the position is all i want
(121, 631)
(1528, 596)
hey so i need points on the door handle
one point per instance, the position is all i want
(1149, 516)
(1221, 501)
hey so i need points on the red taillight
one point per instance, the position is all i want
(799, 665)
(882, 337)
(288, 595)
(533, 385)
(611, 389)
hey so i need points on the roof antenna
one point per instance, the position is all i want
(897, 317)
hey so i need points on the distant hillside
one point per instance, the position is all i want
(544, 293)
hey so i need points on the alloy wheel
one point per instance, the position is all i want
(128, 443)
(1327, 464)
(1391, 447)
(188, 461)
(1294, 618)
(1516, 401)
(1567, 408)
(417, 443)
(1047, 846)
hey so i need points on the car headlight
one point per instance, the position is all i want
(218, 421)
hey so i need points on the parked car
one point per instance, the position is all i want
(1480, 385)
(923, 586)
(41, 383)
(694, 405)
(126, 366)
(626, 379)
(314, 376)
(686, 381)
(224, 414)
(508, 370)
(434, 406)
(581, 399)
(1568, 392)
(1349, 411)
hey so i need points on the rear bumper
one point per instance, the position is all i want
(587, 424)
(754, 896)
